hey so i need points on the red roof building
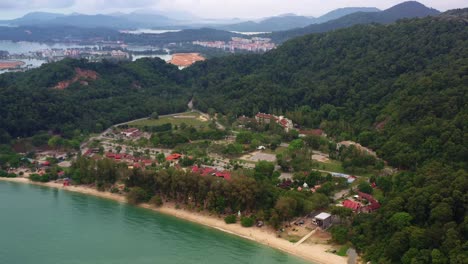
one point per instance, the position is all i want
(211, 171)
(224, 174)
(174, 156)
(265, 116)
(147, 162)
(373, 203)
(129, 132)
(351, 205)
(313, 132)
(282, 121)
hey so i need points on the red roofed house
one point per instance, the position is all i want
(110, 155)
(129, 132)
(211, 171)
(88, 152)
(368, 197)
(147, 162)
(373, 203)
(313, 132)
(287, 124)
(174, 157)
(371, 207)
(265, 118)
(352, 205)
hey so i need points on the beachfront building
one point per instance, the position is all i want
(323, 220)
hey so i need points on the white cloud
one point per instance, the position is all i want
(31, 4)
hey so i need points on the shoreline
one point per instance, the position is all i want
(315, 253)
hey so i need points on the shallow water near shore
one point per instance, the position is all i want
(43, 225)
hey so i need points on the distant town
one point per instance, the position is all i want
(120, 51)
(255, 44)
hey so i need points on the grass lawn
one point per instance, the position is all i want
(190, 119)
(332, 165)
(342, 251)
(335, 166)
(279, 150)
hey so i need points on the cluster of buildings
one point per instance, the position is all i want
(253, 45)
(132, 133)
(173, 159)
(89, 54)
(133, 162)
(285, 123)
(363, 203)
(207, 171)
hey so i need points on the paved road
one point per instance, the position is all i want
(352, 256)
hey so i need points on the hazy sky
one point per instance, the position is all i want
(206, 8)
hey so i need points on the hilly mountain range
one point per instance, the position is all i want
(156, 19)
(410, 9)
(290, 21)
(115, 21)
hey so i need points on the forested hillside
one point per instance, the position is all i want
(410, 9)
(29, 101)
(400, 89)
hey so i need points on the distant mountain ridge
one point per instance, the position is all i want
(115, 20)
(290, 21)
(410, 9)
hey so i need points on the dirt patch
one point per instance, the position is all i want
(320, 158)
(5, 65)
(380, 126)
(258, 156)
(319, 237)
(81, 76)
(185, 59)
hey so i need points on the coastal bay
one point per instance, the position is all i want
(309, 252)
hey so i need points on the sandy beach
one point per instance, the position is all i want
(311, 252)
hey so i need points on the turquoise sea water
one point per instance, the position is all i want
(46, 226)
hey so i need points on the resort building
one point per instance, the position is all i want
(130, 132)
(285, 123)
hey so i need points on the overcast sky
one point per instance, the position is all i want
(206, 8)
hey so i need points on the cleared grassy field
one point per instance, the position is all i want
(332, 165)
(190, 119)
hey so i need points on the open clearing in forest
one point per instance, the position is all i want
(190, 119)
(258, 156)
